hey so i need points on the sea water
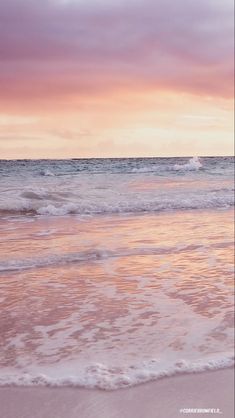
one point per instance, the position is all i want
(115, 272)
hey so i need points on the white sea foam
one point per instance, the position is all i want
(58, 211)
(138, 206)
(94, 306)
(153, 186)
(194, 164)
(118, 204)
(47, 173)
(98, 375)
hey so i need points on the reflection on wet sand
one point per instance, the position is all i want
(156, 284)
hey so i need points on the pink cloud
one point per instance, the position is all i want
(49, 49)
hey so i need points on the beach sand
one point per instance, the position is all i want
(160, 399)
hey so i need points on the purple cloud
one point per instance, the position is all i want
(56, 48)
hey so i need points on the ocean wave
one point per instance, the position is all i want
(37, 206)
(194, 164)
(98, 375)
(117, 194)
(146, 169)
(100, 254)
(47, 173)
(29, 263)
(26, 169)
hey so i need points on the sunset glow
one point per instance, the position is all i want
(114, 79)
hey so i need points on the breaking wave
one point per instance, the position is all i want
(134, 190)
(194, 164)
(47, 173)
(37, 206)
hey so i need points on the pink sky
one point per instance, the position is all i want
(84, 78)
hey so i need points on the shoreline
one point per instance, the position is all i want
(163, 398)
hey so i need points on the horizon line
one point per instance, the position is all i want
(112, 158)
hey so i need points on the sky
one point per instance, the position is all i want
(115, 78)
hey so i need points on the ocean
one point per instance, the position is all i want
(115, 272)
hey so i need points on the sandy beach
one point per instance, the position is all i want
(116, 208)
(166, 398)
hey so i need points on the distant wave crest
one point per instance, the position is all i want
(47, 173)
(194, 164)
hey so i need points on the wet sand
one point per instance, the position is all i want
(160, 399)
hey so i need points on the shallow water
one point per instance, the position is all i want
(113, 299)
